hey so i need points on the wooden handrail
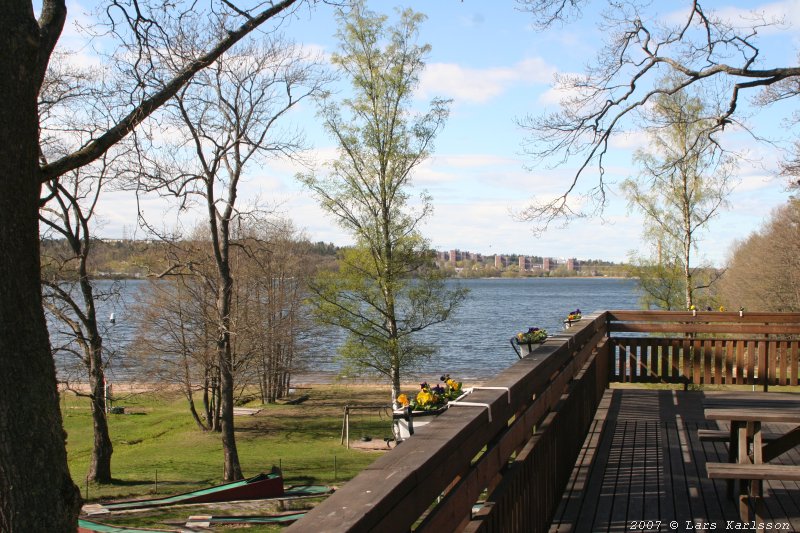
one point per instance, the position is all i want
(522, 455)
(705, 348)
(461, 453)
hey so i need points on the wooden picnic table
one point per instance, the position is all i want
(749, 452)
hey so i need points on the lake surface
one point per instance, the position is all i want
(473, 345)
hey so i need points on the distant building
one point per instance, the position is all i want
(546, 264)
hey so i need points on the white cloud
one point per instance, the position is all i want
(558, 93)
(755, 182)
(487, 227)
(786, 12)
(472, 160)
(471, 85)
(629, 140)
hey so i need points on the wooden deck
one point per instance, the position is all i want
(643, 464)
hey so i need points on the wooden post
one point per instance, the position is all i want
(344, 420)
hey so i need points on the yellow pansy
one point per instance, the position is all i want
(424, 398)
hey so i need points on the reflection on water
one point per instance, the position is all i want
(473, 345)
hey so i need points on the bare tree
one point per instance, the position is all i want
(702, 50)
(274, 272)
(70, 295)
(177, 330)
(175, 342)
(230, 115)
(71, 108)
(38, 492)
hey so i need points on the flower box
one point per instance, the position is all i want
(525, 342)
(420, 409)
(572, 317)
(527, 347)
(407, 421)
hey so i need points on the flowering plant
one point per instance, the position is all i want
(531, 336)
(431, 398)
(574, 315)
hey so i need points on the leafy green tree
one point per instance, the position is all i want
(682, 185)
(661, 281)
(373, 296)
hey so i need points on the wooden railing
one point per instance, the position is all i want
(705, 348)
(513, 448)
(514, 452)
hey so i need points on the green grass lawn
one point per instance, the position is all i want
(157, 440)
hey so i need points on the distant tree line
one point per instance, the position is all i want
(763, 272)
(131, 258)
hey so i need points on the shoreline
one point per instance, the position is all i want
(304, 381)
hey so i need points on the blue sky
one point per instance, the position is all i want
(496, 68)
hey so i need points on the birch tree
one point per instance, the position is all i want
(683, 184)
(381, 141)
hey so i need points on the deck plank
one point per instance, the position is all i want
(643, 460)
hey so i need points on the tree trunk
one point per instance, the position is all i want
(687, 271)
(36, 491)
(217, 403)
(100, 463)
(232, 469)
(395, 386)
(102, 449)
(192, 409)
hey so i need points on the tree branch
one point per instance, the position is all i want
(98, 146)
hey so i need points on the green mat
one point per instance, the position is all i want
(105, 528)
(306, 490)
(185, 496)
(274, 519)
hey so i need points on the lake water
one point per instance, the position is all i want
(473, 345)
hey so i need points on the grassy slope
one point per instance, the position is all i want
(157, 437)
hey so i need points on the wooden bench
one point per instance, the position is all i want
(753, 472)
(723, 435)
(750, 478)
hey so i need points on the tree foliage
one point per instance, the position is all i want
(683, 184)
(701, 50)
(763, 272)
(381, 140)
